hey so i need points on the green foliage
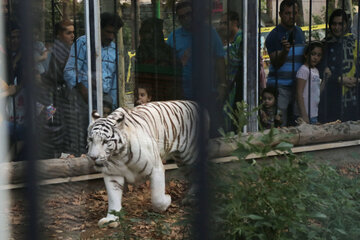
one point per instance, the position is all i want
(235, 116)
(125, 232)
(286, 198)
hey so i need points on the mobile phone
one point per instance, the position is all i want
(290, 37)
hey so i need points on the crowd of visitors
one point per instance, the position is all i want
(316, 81)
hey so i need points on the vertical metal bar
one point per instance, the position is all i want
(357, 63)
(116, 60)
(27, 68)
(343, 99)
(251, 65)
(75, 26)
(276, 56)
(245, 45)
(4, 194)
(53, 18)
(259, 52)
(228, 43)
(255, 123)
(325, 60)
(201, 72)
(136, 27)
(88, 55)
(98, 67)
(289, 117)
(309, 62)
(174, 51)
(158, 9)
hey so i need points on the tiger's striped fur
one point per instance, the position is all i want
(130, 144)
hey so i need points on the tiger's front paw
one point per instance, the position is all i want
(163, 204)
(110, 220)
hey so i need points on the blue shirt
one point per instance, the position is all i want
(183, 42)
(108, 57)
(286, 73)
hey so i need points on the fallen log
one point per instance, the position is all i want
(304, 134)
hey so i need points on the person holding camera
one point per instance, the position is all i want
(285, 45)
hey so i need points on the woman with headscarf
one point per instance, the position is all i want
(340, 98)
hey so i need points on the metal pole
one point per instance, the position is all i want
(98, 67)
(4, 178)
(245, 45)
(88, 55)
(309, 60)
(203, 88)
(255, 123)
(26, 21)
(158, 9)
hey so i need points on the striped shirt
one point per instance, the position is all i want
(285, 75)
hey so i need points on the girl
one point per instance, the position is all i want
(268, 117)
(312, 53)
(143, 94)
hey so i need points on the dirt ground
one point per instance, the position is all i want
(75, 216)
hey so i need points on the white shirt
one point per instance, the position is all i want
(303, 73)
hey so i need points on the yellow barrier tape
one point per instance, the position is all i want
(131, 55)
(304, 28)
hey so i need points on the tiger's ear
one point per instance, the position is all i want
(119, 118)
(95, 115)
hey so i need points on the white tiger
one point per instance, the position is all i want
(130, 144)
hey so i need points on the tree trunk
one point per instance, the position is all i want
(304, 134)
(301, 135)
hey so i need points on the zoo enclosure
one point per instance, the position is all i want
(127, 40)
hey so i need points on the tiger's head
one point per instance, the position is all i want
(105, 138)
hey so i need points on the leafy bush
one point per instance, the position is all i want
(286, 198)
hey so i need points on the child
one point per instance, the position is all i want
(268, 117)
(312, 53)
(143, 94)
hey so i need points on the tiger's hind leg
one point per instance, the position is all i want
(114, 188)
(160, 201)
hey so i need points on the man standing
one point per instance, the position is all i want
(229, 26)
(181, 40)
(216, 89)
(75, 76)
(285, 45)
